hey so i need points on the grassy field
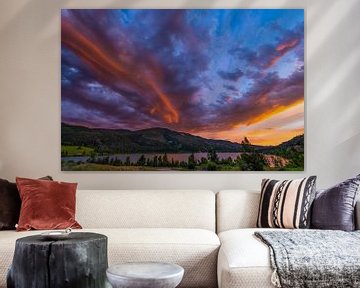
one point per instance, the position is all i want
(71, 151)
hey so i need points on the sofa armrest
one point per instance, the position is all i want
(357, 215)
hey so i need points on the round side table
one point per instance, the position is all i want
(78, 261)
(145, 275)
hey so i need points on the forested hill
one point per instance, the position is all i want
(152, 140)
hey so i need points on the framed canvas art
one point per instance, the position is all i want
(182, 89)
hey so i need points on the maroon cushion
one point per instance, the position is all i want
(46, 204)
(10, 204)
(334, 208)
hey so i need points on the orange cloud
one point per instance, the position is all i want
(287, 45)
(172, 116)
(270, 128)
(272, 136)
(272, 112)
(109, 66)
(282, 49)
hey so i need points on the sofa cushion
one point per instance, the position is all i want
(244, 261)
(194, 249)
(153, 209)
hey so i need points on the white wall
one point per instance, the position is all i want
(30, 94)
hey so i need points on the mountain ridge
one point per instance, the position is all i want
(157, 139)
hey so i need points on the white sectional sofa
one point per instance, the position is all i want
(177, 226)
(154, 225)
(243, 260)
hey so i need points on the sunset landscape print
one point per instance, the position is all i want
(182, 89)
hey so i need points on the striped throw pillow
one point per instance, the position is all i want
(286, 204)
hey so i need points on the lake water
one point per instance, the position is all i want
(175, 156)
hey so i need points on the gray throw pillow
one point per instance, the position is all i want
(334, 208)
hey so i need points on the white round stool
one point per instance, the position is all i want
(145, 275)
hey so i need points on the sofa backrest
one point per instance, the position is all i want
(236, 209)
(146, 209)
(239, 209)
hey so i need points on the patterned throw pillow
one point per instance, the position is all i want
(286, 204)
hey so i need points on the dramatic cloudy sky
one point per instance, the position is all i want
(221, 74)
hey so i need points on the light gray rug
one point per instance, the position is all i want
(314, 258)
